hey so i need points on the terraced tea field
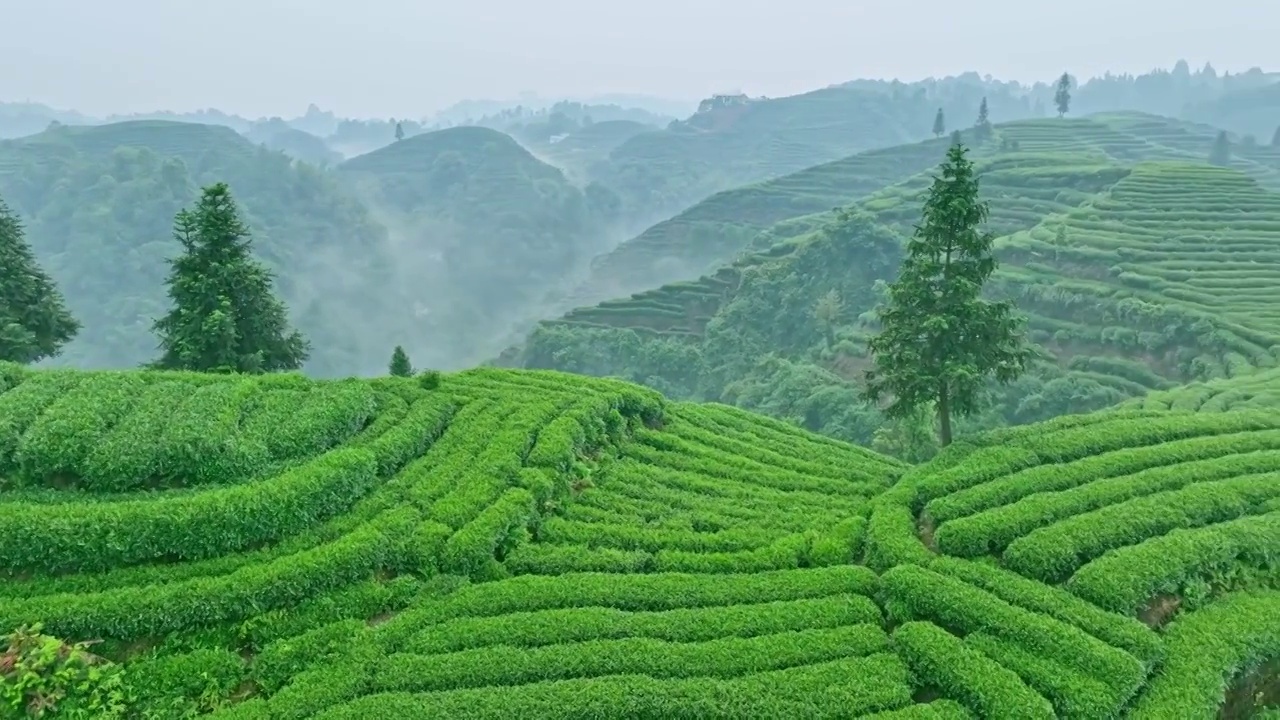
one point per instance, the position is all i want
(1257, 390)
(1140, 267)
(713, 231)
(888, 183)
(530, 544)
(1134, 551)
(1176, 262)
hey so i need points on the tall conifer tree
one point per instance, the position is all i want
(34, 321)
(983, 126)
(1062, 95)
(939, 340)
(224, 317)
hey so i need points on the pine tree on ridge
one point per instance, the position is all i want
(1062, 95)
(400, 365)
(983, 125)
(940, 340)
(1220, 153)
(224, 317)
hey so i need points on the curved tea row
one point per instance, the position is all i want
(531, 544)
(1124, 560)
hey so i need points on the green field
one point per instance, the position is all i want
(500, 543)
(1081, 536)
(1140, 266)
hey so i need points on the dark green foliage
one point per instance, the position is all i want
(939, 124)
(225, 318)
(939, 340)
(1220, 153)
(34, 321)
(98, 204)
(983, 126)
(1062, 95)
(429, 379)
(400, 365)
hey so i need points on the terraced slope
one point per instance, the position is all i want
(1183, 257)
(711, 233)
(1256, 390)
(272, 517)
(1137, 276)
(1044, 547)
(738, 143)
(529, 544)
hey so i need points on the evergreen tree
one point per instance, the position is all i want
(939, 124)
(34, 320)
(827, 313)
(983, 126)
(224, 316)
(1220, 153)
(1062, 96)
(399, 132)
(400, 365)
(955, 138)
(939, 340)
(1275, 139)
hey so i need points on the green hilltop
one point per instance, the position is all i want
(480, 227)
(1139, 265)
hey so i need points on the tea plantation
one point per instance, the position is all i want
(520, 544)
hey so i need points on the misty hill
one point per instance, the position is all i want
(99, 202)
(583, 147)
(733, 141)
(276, 134)
(480, 229)
(714, 231)
(1140, 265)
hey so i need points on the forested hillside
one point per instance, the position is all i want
(98, 203)
(442, 242)
(1141, 266)
(479, 229)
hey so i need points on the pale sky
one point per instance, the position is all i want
(408, 58)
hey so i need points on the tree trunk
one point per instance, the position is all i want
(944, 416)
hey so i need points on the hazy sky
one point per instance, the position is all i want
(411, 57)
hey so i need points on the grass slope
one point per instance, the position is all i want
(511, 543)
(1141, 267)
